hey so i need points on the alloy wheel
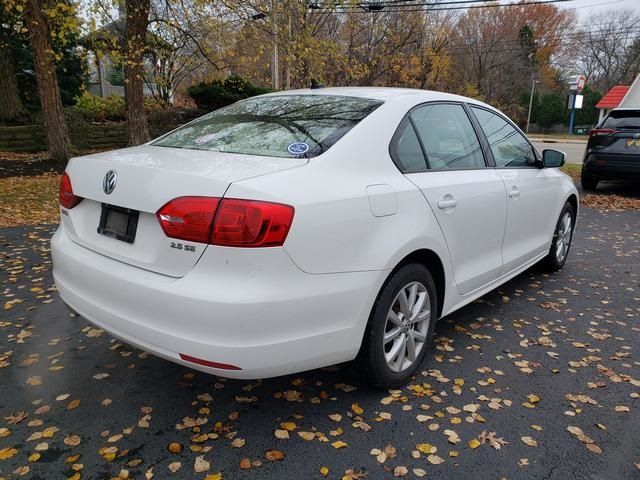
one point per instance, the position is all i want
(563, 237)
(406, 327)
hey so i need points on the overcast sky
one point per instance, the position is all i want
(587, 7)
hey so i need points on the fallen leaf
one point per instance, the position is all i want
(339, 444)
(8, 452)
(400, 471)
(274, 455)
(174, 447)
(529, 441)
(72, 440)
(307, 435)
(200, 464)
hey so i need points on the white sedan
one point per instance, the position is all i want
(301, 229)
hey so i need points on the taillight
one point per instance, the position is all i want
(251, 223)
(600, 132)
(188, 218)
(228, 222)
(66, 196)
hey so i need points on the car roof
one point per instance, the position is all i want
(385, 94)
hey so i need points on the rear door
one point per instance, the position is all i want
(533, 195)
(437, 147)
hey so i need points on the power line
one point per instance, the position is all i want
(408, 6)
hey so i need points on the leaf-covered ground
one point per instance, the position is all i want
(539, 379)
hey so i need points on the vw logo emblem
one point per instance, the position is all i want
(109, 181)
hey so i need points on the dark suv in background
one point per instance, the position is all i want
(613, 149)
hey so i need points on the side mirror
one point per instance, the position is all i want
(552, 158)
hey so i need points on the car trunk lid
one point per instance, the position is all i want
(148, 177)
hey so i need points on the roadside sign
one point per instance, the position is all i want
(577, 83)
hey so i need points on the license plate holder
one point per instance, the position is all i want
(118, 222)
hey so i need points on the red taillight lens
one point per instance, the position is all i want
(227, 222)
(251, 223)
(188, 218)
(599, 132)
(66, 196)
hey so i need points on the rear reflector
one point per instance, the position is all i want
(229, 222)
(66, 196)
(208, 363)
(599, 132)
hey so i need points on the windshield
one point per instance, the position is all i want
(279, 126)
(622, 119)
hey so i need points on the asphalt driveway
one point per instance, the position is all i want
(550, 363)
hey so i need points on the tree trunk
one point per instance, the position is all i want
(47, 80)
(136, 25)
(11, 106)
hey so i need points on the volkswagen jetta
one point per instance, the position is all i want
(301, 229)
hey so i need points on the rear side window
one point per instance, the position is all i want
(622, 119)
(279, 126)
(406, 151)
(448, 137)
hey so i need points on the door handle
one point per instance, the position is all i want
(449, 203)
(514, 192)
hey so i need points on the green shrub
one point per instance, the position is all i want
(101, 109)
(111, 108)
(219, 93)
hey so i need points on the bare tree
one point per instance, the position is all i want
(608, 48)
(136, 24)
(46, 78)
(11, 106)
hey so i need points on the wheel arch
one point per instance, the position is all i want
(432, 261)
(573, 200)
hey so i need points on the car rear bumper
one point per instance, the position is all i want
(253, 309)
(612, 166)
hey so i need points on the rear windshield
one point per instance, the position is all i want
(622, 119)
(279, 126)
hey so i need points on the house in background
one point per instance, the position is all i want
(620, 96)
(105, 76)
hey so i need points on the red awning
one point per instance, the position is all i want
(613, 97)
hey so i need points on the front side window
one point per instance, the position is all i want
(448, 137)
(509, 147)
(280, 126)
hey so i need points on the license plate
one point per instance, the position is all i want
(635, 143)
(118, 222)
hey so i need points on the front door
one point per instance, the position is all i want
(531, 197)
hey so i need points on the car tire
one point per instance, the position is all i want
(388, 318)
(562, 236)
(589, 183)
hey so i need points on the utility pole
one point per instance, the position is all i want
(533, 86)
(275, 69)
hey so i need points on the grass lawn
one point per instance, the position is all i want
(29, 200)
(573, 170)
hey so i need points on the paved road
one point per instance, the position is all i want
(539, 355)
(574, 151)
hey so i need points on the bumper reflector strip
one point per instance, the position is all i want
(208, 363)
